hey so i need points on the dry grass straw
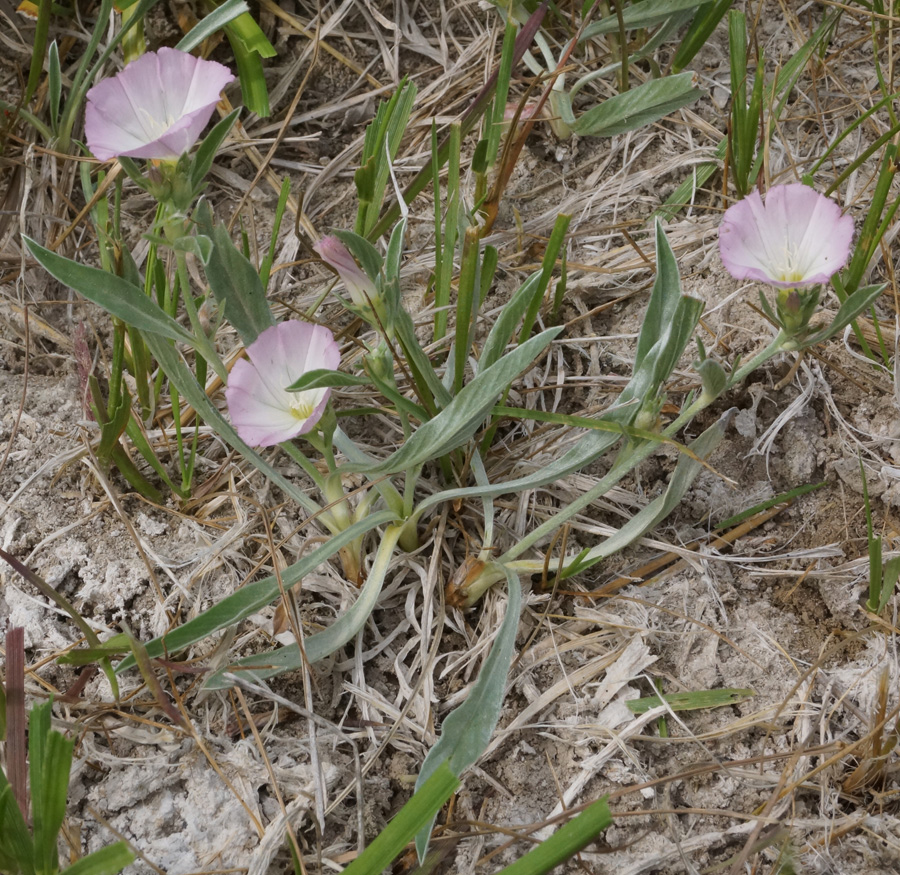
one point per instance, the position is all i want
(365, 721)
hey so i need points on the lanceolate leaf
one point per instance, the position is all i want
(640, 106)
(641, 15)
(324, 643)
(114, 294)
(461, 418)
(250, 598)
(668, 326)
(467, 731)
(658, 509)
(234, 280)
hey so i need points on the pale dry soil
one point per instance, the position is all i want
(778, 612)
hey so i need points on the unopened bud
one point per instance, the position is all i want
(362, 290)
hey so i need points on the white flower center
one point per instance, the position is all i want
(790, 270)
(154, 126)
(302, 404)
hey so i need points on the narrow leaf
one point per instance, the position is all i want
(324, 643)
(105, 861)
(467, 731)
(234, 280)
(15, 840)
(461, 418)
(658, 509)
(567, 841)
(321, 378)
(208, 25)
(644, 14)
(695, 700)
(418, 812)
(851, 308)
(250, 598)
(640, 106)
(206, 152)
(115, 295)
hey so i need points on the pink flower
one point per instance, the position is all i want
(156, 107)
(362, 290)
(798, 238)
(262, 410)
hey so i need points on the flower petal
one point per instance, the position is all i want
(798, 238)
(259, 421)
(262, 410)
(156, 107)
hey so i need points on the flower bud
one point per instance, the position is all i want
(363, 292)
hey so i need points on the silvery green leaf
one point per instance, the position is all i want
(640, 106)
(462, 417)
(254, 596)
(658, 509)
(466, 732)
(117, 296)
(234, 281)
(326, 642)
(644, 14)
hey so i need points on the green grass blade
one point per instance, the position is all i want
(419, 811)
(466, 304)
(15, 840)
(501, 93)
(446, 234)
(265, 269)
(783, 498)
(554, 244)
(567, 841)
(38, 49)
(705, 22)
(51, 774)
(380, 147)
(776, 92)
(467, 122)
(889, 577)
(54, 84)
(105, 861)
